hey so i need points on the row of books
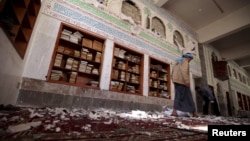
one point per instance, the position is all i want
(88, 68)
(59, 75)
(75, 37)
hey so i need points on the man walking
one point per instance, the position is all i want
(207, 95)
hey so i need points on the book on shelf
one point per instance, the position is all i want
(66, 32)
(65, 37)
(97, 45)
(60, 49)
(77, 53)
(98, 57)
(78, 34)
(75, 37)
(69, 63)
(75, 65)
(94, 83)
(58, 60)
(95, 71)
(73, 76)
(89, 56)
(87, 42)
(118, 52)
(56, 75)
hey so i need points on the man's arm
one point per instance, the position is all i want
(185, 72)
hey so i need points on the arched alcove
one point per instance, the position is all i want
(178, 40)
(158, 27)
(130, 9)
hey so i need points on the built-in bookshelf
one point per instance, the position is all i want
(127, 71)
(159, 79)
(77, 58)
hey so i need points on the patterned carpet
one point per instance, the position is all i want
(59, 124)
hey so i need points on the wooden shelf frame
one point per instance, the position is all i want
(74, 50)
(127, 71)
(159, 79)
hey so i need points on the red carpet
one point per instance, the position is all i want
(79, 125)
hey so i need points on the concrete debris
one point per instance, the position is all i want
(23, 126)
(62, 123)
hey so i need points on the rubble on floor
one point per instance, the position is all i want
(47, 124)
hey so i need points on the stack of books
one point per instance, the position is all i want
(134, 78)
(152, 93)
(56, 75)
(116, 85)
(130, 89)
(133, 58)
(163, 76)
(95, 71)
(89, 56)
(122, 75)
(134, 68)
(153, 74)
(66, 34)
(98, 57)
(116, 52)
(119, 52)
(84, 53)
(89, 68)
(97, 45)
(60, 49)
(94, 83)
(72, 77)
(68, 52)
(69, 63)
(58, 60)
(87, 43)
(75, 65)
(76, 37)
(83, 66)
(121, 65)
(76, 53)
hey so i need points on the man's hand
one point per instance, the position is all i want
(187, 84)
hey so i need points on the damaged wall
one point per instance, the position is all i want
(97, 19)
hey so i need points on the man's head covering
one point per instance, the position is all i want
(186, 55)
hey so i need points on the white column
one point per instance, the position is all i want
(145, 75)
(106, 64)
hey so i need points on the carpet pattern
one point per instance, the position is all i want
(46, 124)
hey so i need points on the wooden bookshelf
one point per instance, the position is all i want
(127, 71)
(159, 79)
(77, 58)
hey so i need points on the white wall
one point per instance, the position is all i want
(11, 68)
(43, 43)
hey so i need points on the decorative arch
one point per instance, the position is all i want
(178, 40)
(130, 9)
(158, 27)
